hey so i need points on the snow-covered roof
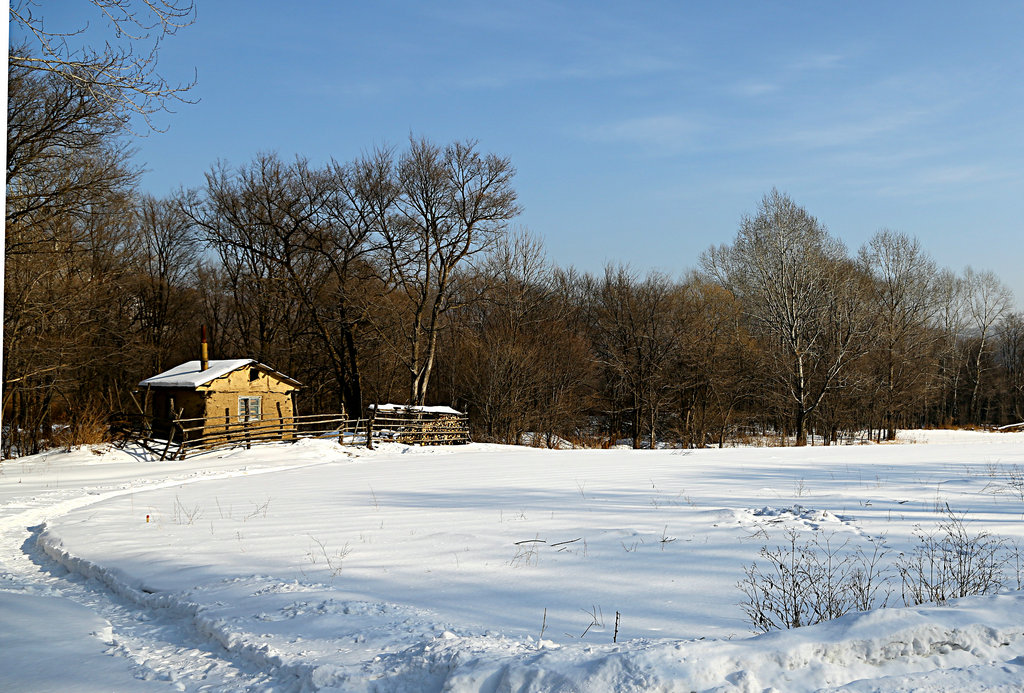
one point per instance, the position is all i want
(406, 407)
(189, 374)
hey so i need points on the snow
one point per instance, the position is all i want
(405, 407)
(308, 566)
(190, 373)
(77, 647)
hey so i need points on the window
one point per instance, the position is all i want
(250, 406)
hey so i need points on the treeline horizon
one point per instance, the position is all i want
(395, 277)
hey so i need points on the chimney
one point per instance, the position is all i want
(204, 353)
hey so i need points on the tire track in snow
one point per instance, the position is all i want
(166, 638)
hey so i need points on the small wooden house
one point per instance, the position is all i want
(227, 394)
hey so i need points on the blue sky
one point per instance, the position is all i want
(641, 132)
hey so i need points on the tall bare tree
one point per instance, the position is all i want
(68, 202)
(718, 362)
(63, 155)
(988, 300)
(638, 335)
(951, 325)
(275, 226)
(1011, 357)
(452, 203)
(166, 258)
(795, 283)
(902, 295)
(518, 362)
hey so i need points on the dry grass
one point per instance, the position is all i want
(88, 426)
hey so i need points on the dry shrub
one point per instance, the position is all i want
(801, 583)
(951, 563)
(590, 441)
(87, 426)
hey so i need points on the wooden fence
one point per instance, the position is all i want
(176, 438)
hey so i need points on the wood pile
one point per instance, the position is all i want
(444, 429)
(414, 426)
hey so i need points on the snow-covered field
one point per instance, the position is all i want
(485, 568)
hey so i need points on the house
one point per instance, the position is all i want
(228, 395)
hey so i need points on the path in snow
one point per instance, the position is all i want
(155, 642)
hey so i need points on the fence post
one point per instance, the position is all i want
(170, 436)
(183, 449)
(369, 432)
(170, 428)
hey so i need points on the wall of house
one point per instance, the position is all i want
(189, 403)
(219, 403)
(242, 381)
(222, 405)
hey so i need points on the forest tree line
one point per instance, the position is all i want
(398, 277)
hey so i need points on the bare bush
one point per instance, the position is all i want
(802, 583)
(950, 563)
(869, 579)
(1010, 480)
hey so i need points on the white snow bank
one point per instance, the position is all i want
(975, 642)
(944, 435)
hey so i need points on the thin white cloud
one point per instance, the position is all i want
(817, 61)
(853, 132)
(663, 133)
(964, 180)
(786, 74)
(755, 89)
(614, 67)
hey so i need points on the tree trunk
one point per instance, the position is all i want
(800, 423)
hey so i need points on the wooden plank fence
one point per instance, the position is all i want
(182, 437)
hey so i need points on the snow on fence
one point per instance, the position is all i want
(177, 438)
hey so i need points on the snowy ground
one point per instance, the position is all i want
(484, 568)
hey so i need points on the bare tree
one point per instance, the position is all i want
(638, 336)
(68, 206)
(62, 156)
(902, 295)
(166, 260)
(718, 363)
(497, 364)
(289, 229)
(951, 323)
(121, 78)
(452, 203)
(358, 208)
(1011, 357)
(988, 300)
(517, 361)
(795, 282)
